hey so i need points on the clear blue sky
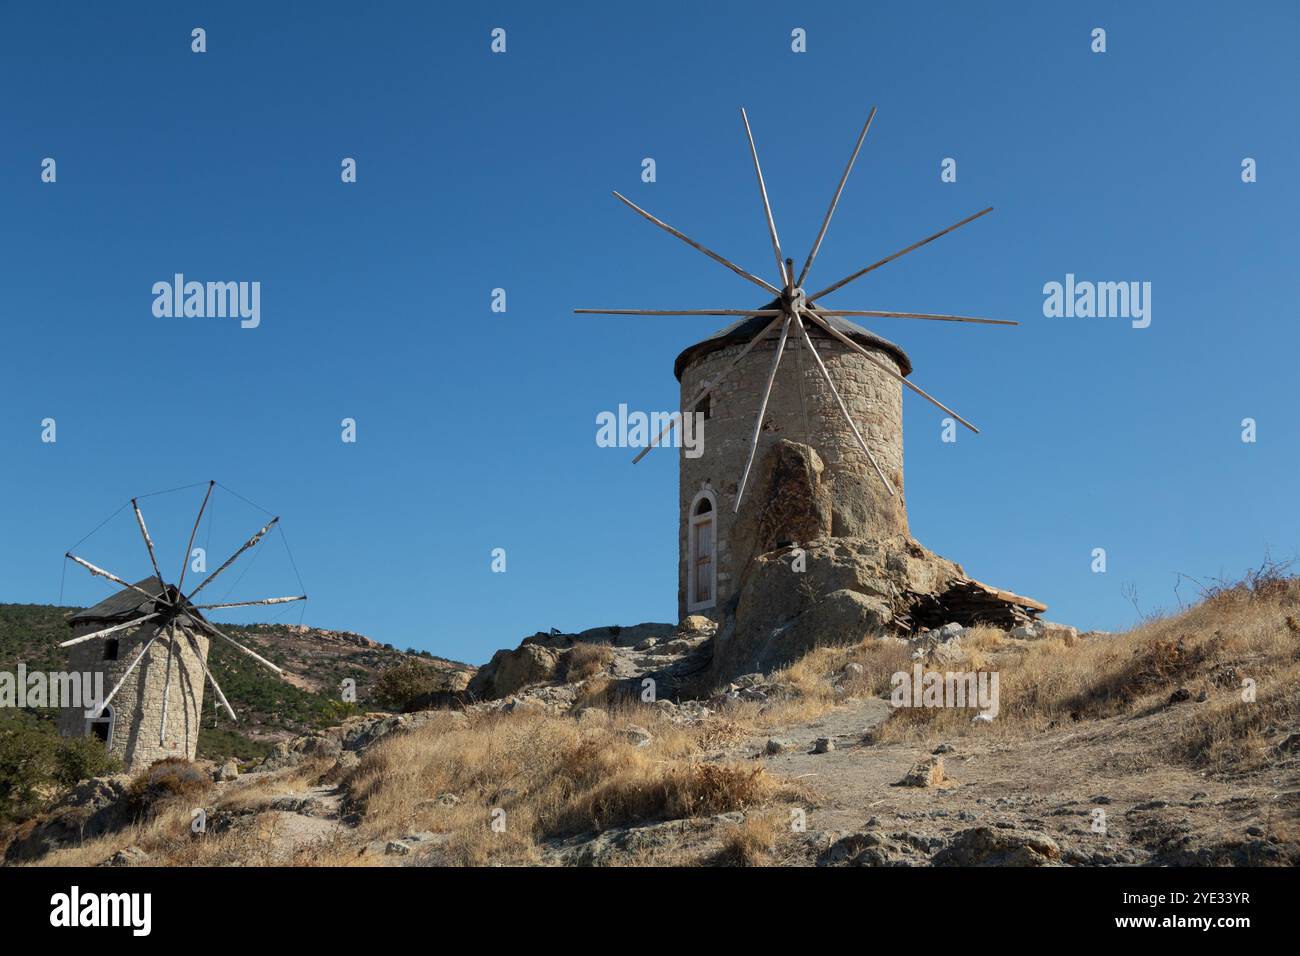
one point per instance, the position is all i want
(476, 430)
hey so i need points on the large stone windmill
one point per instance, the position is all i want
(150, 641)
(847, 405)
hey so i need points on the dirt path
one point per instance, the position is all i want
(1103, 792)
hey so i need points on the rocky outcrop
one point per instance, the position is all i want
(93, 808)
(989, 846)
(829, 591)
(508, 671)
(790, 502)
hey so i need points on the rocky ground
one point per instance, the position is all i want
(1097, 792)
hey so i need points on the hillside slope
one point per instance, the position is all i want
(315, 662)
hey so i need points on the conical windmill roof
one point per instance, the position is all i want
(125, 604)
(746, 329)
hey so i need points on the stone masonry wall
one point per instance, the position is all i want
(861, 507)
(137, 706)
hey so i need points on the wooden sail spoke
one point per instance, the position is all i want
(826, 375)
(901, 252)
(748, 312)
(212, 680)
(931, 316)
(762, 412)
(153, 559)
(786, 276)
(711, 385)
(185, 562)
(99, 707)
(260, 601)
(109, 630)
(204, 625)
(167, 684)
(835, 200)
(251, 542)
(893, 373)
(691, 242)
(100, 572)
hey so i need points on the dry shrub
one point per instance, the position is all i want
(1239, 630)
(167, 780)
(552, 777)
(583, 661)
(1232, 734)
(596, 692)
(750, 843)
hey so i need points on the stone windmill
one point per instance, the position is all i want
(150, 641)
(847, 406)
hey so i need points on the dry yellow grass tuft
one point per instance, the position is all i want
(750, 843)
(543, 776)
(583, 661)
(1235, 638)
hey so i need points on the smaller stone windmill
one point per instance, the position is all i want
(854, 424)
(143, 639)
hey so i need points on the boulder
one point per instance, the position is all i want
(851, 588)
(927, 772)
(130, 856)
(789, 502)
(636, 735)
(988, 846)
(696, 625)
(227, 771)
(509, 671)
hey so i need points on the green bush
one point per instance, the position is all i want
(399, 686)
(80, 758)
(37, 765)
(219, 745)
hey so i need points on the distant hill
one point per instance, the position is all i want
(315, 662)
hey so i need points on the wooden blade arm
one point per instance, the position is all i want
(762, 411)
(108, 630)
(786, 277)
(231, 560)
(835, 200)
(901, 252)
(710, 386)
(204, 625)
(100, 572)
(891, 372)
(185, 562)
(262, 601)
(826, 375)
(695, 245)
(148, 543)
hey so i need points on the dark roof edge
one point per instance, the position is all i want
(747, 328)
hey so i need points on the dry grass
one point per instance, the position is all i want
(166, 832)
(750, 843)
(583, 661)
(810, 683)
(545, 777)
(1237, 633)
